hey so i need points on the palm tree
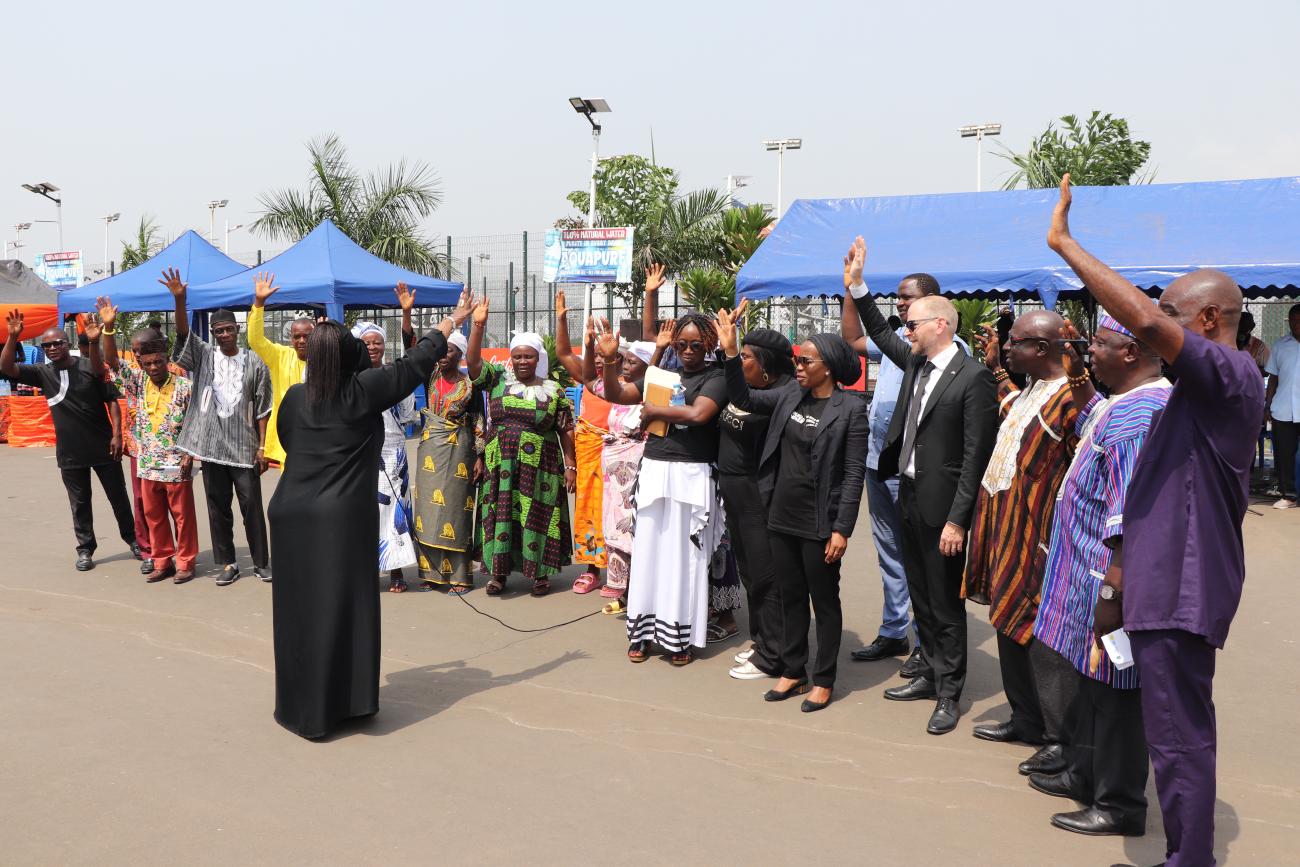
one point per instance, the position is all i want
(145, 246)
(380, 211)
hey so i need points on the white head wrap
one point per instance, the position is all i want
(458, 340)
(642, 349)
(361, 329)
(533, 341)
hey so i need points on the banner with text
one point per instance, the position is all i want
(588, 255)
(60, 270)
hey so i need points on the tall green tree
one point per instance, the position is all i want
(1097, 152)
(144, 246)
(381, 211)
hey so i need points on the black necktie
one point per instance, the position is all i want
(913, 417)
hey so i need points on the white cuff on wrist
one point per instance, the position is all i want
(859, 291)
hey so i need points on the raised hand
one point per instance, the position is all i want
(664, 338)
(561, 308)
(92, 327)
(857, 261)
(606, 340)
(727, 332)
(263, 287)
(1059, 233)
(481, 310)
(654, 277)
(107, 312)
(987, 341)
(171, 278)
(15, 323)
(405, 297)
(1070, 356)
(464, 307)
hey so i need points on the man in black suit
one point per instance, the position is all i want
(939, 441)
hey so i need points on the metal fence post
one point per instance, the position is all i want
(532, 308)
(469, 273)
(449, 273)
(510, 295)
(259, 261)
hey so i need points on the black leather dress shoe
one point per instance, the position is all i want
(1048, 760)
(146, 567)
(1057, 785)
(945, 716)
(84, 562)
(1003, 733)
(912, 668)
(881, 648)
(1098, 824)
(917, 689)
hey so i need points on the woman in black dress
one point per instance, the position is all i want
(325, 525)
(811, 469)
(766, 357)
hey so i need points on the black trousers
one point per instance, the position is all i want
(77, 482)
(804, 574)
(1018, 684)
(219, 483)
(1056, 682)
(750, 542)
(1107, 756)
(934, 583)
(1285, 434)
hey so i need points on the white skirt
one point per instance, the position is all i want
(679, 525)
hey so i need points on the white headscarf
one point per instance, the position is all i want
(642, 349)
(458, 340)
(361, 329)
(533, 341)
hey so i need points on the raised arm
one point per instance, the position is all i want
(93, 331)
(171, 278)
(474, 347)
(1130, 307)
(386, 386)
(263, 288)
(850, 321)
(616, 390)
(563, 349)
(654, 278)
(108, 319)
(738, 391)
(893, 346)
(9, 356)
(406, 300)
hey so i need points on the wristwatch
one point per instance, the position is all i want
(1108, 592)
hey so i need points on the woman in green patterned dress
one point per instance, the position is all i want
(448, 468)
(530, 467)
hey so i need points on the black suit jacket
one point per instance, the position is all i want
(955, 433)
(839, 455)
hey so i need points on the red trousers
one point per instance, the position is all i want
(141, 526)
(174, 501)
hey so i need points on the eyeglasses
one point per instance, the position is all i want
(913, 324)
(1016, 341)
(805, 360)
(54, 343)
(692, 345)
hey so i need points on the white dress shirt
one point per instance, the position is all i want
(940, 362)
(1284, 366)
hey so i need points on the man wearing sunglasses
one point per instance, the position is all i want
(86, 436)
(939, 443)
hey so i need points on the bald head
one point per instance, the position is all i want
(53, 334)
(1033, 348)
(1206, 302)
(1041, 324)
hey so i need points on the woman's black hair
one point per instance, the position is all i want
(707, 327)
(774, 364)
(324, 368)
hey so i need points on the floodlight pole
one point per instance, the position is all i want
(978, 131)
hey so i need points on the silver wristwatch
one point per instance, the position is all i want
(1108, 592)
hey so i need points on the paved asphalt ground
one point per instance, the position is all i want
(135, 728)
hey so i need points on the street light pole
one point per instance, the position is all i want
(212, 218)
(108, 218)
(587, 107)
(229, 228)
(781, 145)
(44, 188)
(19, 228)
(978, 131)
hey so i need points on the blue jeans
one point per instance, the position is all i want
(882, 502)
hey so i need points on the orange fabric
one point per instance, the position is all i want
(36, 318)
(30, 425)
(4, 419)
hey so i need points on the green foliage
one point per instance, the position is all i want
(1096, 152)
(556, 371)
(144, 246)
(381, 211)
(974, 312)
(742, 233)
(1076, 310)
(707, 289)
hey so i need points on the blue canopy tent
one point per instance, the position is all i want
(328, 269)
(138, 290)
(995, 242)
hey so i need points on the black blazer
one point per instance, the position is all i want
(955, 434)
(839, 455)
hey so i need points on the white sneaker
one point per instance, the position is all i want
(1274, 491)
(748, 671)
(744, 655)
(1284, 503)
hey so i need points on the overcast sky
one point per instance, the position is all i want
(156, 108)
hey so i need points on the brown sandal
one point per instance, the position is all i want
(638, 651)
(680, 659)
(541, 587)
(495, 586)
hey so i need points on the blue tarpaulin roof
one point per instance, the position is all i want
(995, 242)
(137, 289)
(328, 269)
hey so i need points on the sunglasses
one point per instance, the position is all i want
(692, 345)
(913, 324)
(805, 360)
(54, 343)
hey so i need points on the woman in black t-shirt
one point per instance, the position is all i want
(679, 517)
(766, 358)
(811, 470)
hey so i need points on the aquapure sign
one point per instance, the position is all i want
(588, 255)
(60, 270)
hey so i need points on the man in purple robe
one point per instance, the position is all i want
(1176, 573)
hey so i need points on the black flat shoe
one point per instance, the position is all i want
(85, 563)
(881, 648)
(1057, 785)
(136, 552)
(1095, 823)
(799, 688)
(1048, 760)
(945, 716)
(919, 688)
(809, 706)
(1003, 733)
(913, 667)
(146, 568)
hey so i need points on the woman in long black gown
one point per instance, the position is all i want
(324, 526)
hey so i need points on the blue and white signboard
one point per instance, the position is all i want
(588, 255)
(60, 270)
